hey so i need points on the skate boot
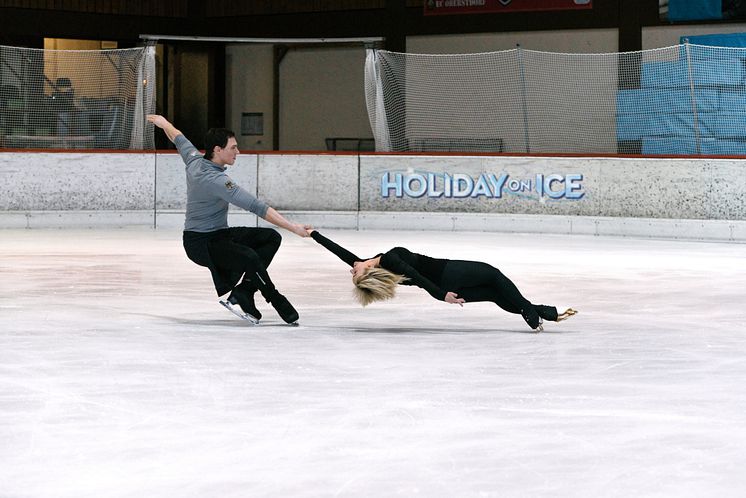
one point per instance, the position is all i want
(278, 301)
(243, 296)
(532, 318)
(283, 307)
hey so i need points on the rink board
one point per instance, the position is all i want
(699, 198)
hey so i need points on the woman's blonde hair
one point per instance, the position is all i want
(376, 284)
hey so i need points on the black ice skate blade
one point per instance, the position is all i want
(245, 316)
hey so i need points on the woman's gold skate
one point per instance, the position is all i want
(566, 314)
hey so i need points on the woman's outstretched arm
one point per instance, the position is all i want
(334, 248)
(397, 260)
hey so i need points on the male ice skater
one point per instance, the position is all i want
(232, 254)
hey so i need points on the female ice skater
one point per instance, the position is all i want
(376, 279)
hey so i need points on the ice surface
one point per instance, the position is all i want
(122, 376)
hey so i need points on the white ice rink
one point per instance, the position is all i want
(121, 375)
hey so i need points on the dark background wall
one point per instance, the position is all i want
(193, 73)
(124, 20)
(28, 22)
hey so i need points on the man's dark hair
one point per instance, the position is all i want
(216, 137)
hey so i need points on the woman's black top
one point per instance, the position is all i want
(423, 271)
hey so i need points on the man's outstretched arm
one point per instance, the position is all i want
(280, 221)
(165, 125)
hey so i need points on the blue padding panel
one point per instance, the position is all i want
(680, 124)
(718, 40)
(688, 145)
(669, 145)
(633, 101)
(639, 126)
(704, 73)
(694, 10)
(666, 100)
(723, 147)
(724, 72)
(732, 99)
(730, 125)
(706, 122)
(663, 74)
(631, 126)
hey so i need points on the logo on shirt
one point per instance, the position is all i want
(194, 153)
(230, 185)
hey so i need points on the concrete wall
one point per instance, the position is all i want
(689, 198)
(666, 36)
(637, 188)
(249, 88)
(576, 41)
(322, 88)
(192, 113)
(321, 95)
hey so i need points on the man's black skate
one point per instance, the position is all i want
(236, 310)
(284, 308)
(279, 302)
(245, 299)
(532, 318)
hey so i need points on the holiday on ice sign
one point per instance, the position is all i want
(436, 7)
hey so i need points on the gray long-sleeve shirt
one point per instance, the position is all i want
(210, 191)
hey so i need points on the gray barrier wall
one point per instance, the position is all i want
(689, 198)
(648, 188)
